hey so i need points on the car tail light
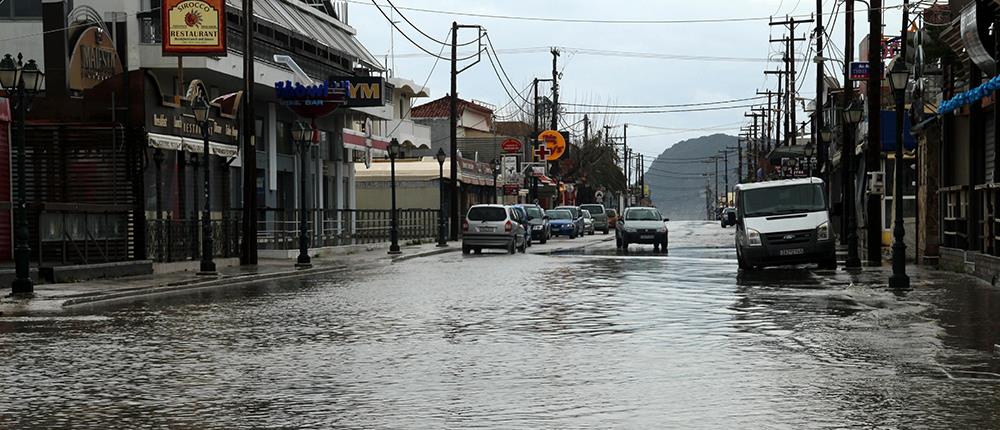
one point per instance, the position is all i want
(465, 225)
(508, 227)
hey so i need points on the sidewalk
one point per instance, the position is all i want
(57, 298)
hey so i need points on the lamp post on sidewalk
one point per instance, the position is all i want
(302, 134)
(21, 82)
(201, 109)
(810, 149)
(495, 164)
(899, 76)
(852, 116)
(442, 225)
(394, 229)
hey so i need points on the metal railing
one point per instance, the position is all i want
(955, 204)
(279, 229)
(170, 240)
(82, 234)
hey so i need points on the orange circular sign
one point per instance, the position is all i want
(555, 142)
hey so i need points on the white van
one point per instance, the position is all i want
(783, 223)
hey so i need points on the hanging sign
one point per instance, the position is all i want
(859, 70)
(312, 101)
(194, 27)
(555, 142)
(512, 146)
(94, 59)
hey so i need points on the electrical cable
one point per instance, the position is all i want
(401, 15)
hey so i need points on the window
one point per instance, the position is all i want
(284, 143)
(261, 139)
(21, 9)
(487, 213)
(324, 145)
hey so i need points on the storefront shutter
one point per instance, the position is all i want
(990, 158)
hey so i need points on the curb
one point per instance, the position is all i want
(214, 283)
(404, 257)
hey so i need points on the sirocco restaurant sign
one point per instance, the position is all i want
(194, 27)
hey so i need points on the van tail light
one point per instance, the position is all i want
(465, 225)
(508, 227)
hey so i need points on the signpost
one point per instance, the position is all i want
(860, 70)
(555, 142)
(512, 146)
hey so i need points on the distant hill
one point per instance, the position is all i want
(674, 178)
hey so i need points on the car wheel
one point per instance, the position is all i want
(605, 231)
(743, 265)
(656, 248)
(524, 248)
(466, 250)
(478, 251)
(572, 235)
(618, 243)
(664, 247)
(512, 248)
(829, 263)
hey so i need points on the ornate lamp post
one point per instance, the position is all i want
(200, 108)
(442, 225)
(394, 230)
(495, 164)
(21, 82)
(852, 116)
(899, 76)
(810, 149)
(302, 135)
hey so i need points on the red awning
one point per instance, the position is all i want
(358, 141)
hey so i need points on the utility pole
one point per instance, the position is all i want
(248, 254)
(756, 115)
(555, 90)
(766, 120)
(454, 200)
(849, 221)
(586, 129)
(873, 155)
(725, 173)
(818, 121)
(777, 109)
(789, 59)
(628, 198)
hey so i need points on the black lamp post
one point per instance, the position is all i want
(394, 229)
(810, 149)
(442, 225)
(496, 172)
(200, 108)
(21, 82)
(899, 76)
(302, 134)
(852, 116)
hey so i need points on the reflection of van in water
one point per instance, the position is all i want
(783, 222)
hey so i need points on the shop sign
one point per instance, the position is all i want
(363, 91)
(171, 122)
(555, 142)
(859, 70)
(94, 59)
(512, 146)
(194, 27)
(312, 101)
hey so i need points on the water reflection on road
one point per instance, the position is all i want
(594, 339)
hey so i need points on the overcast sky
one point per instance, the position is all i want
(614, 79)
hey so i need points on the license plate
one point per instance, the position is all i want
(793, 251)
(487, 229)
(646, 236)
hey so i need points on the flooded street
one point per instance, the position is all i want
(588, 339)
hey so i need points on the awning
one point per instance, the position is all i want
(194, 146)
(358, 141)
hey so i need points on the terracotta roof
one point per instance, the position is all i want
(440, 108)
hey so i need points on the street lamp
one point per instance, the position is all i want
(302, 135)
(200, 109)
(852, 116)
(496, 172)
(826, 134)
(394, 151)
(810, 149)
(899, 76)
(21, 82)
(441, 157)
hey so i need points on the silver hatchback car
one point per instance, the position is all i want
(492, 226)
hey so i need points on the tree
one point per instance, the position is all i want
(592, 164)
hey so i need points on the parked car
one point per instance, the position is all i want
(492, 226)
(642, 225)
(728, 217)
(600, 215)
(539, 223)
(782, 223)
(521, 217)
(562, 223)
(588, 222)
(612, 218)
(577, 217)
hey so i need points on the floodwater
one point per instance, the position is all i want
(587, 340)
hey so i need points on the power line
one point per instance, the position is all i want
(600, 21)
(718, 108)
(401, 15)
(612, 106)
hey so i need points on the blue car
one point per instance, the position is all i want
(562, 223)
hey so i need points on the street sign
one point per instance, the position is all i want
(511, 189)
(542, 152)
(556, 143)
(509, 170)
(860, 70)
(599, 196)
(512, 146)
